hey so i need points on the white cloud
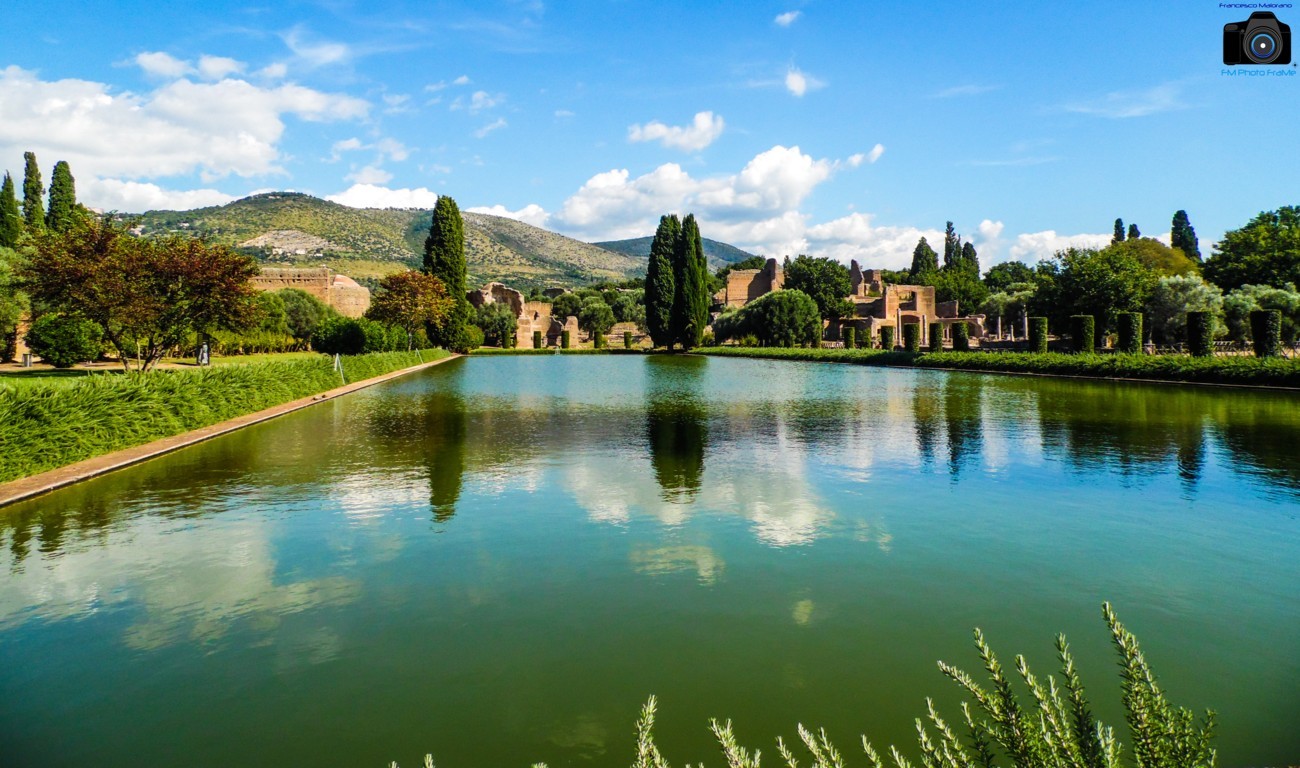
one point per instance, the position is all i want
(530, 214)
(159, 64)
(315, 53)
(275, 71)
(1034, 246)
(787, 18)
(393, 149)
(500, 122)
(138, 197)
(217, 67)
(462, 80)
(347, 145)
(396, 103)
(370, 174)
(702, 132)
(478, 101)
(964, 90)
(374, 196)
(1132, 103)
(798, 82)
(215, 129)
(563, 114)
(855, 237)
(875, 153)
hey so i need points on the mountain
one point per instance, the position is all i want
(366, 243)
(718, 254)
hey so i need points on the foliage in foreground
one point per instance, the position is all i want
(1052, 725)
(1274, 372)
(44, 426)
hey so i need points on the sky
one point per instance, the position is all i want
(841, 129)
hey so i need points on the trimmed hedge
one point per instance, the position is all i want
(1200, 334)
(627, 339)
(936, 337)
(1038, 335)
(1130, 332)
(537, 339)
(850, 335)
(1266, 332)
(1273, 371)
(887, 338)
(960, 337)
(46, 426)
(564, 339)
(912, 337)
(1083, 333)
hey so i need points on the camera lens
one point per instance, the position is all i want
(1262, 47)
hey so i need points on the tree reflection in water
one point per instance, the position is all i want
(677, 429)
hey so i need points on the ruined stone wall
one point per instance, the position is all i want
(338, 291)
(745, 285)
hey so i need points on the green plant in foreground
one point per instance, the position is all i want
(1053, 726)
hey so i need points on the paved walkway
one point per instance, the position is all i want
(35, 485)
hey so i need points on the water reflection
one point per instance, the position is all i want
(676, 424)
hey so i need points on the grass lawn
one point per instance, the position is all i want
(188, 362)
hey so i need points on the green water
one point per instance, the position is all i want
(497, 560)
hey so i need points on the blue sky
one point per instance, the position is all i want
(841, 129)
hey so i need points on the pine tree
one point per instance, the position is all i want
(1118, 237)
(1183, 237)
(924, 259)
(690, 297)
(33, 192)
(660, 282)
(1133, 233)
(444, 258)
(970, 261)
(11, 221)
(63, 199)
(951, 246)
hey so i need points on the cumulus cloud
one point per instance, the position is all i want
(702, 132)
(1034, 246)
(370, 174)
(217, 67)
(214, 129)
(477, 102)
(875, 247)
(138, 197)
(787, 18)
(159, 64)
(798, 82)
(374, 196)
(530, 214)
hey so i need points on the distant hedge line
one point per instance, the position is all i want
(497, 352)
(44, 426)
(1272, 371)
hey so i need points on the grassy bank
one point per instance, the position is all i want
(47, 426)
(1272, 372)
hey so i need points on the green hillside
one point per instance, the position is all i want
(719, 254)
(289, 228)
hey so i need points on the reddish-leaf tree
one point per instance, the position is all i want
(148, 295)
(411, 300)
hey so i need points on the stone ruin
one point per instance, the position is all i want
(530, 315)
(745, 285)
(338, 291)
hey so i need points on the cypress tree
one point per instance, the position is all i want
(11, 221)
(951, 246)
(690, 295)
(63, 198)
(1133, 232)
(970, 261)
(924, 259)
(33, 191)
(444, 258)
(1118, 237)
(660, 285)
(1183, 237)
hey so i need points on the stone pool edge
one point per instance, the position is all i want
(42, 483)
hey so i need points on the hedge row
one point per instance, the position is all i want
(497, 352)
(45, 426)
(1272, 371)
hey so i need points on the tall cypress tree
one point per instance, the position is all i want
(1118, 237)
(33, 192)
(689, 289)
(1183, 237)
(444, 258)
(970, 261)
(63, 199)
(924, 259)
(660, 282)
(11, 221)
(1133, 233)
(951, 246)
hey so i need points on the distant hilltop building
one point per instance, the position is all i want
(338, 291)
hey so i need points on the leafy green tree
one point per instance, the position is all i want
(11, 221)
(783, 318)
(595, 317)
(1103, 283)
(961, 285)
(690, 295)
(63, 198)
(33, 193)
(924, 259)
(1118, 237)
(1133, 232)
(1173, 297)
(897, 277)
(1162, 259)
(412, 300)
(1264, 252)
(498, 323)
(444, 258)
(1010, 304)
(1001, 277)
(13, 301)
(271, 314)
(825, 280)
(339, 335)
(1183, 237)
(660, 282)
(753, 262)
(969, 261)
(302, 312)
(1238, 305)
(65, 340)
(566, 305)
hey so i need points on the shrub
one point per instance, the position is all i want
(498, 323)
(1200, 334)
(64, 341)
(564, 339)
(1083, 330)
(302, 312)
(1038, 334)
(960, 337)
(912, 337)
(339, 335)
(537, 339)
(887, 337)
(470, 340)
(627, 339)
(1266, 332)
(936, 337)
(597, 340)
(1240, 303)
(1130, 332)
(850, 337)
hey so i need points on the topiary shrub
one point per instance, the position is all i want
(339, 336)
(960, 337)
(537, 339)
(1083, 329)
(1266, 332)
(1038, 334)
(627, 339)
(1130, 332)
(850, 335)
(564, 339)
(936, 337)
(887, 337)
(64, 341)
(1200, 334)
(912, 337)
